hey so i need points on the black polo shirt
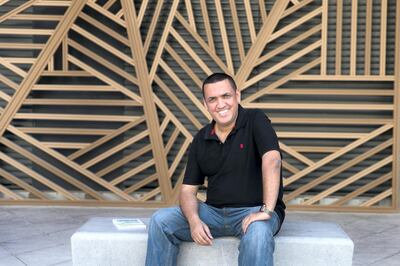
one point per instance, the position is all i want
(233, 168)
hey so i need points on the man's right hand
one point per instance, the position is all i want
(201, 233)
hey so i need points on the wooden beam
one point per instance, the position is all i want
(148, 103)
(396, 115)
(34, 73)
(353, 37)
(338, 50)
(383, 38)
(324, 37)
(368, 38)
(259, 45)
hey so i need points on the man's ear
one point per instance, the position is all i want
(238, 96)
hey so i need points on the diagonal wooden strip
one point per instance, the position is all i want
(290, 167)
(295, 154)
(2, 2)
(12, 67)
(34, 73)
(132, 172)
(287, 45)
(22, 184)
(101, 61)
(377, 198)
(207, 26)
(178, 157)
(294, 8)
(224, 36)
(146, 92)
(250, 22)
(183, 64)
(10, 193)
(5, 96)
(191, 52)
(107, 13)
(281, 81)
(52, 169)
(153, 24)
(104, 78)
(69, 163)
(37, 176)
(259, 45)
(185, 89)
(142, 11)
(339, 153)
(106, 29)
(109, 4)
(295, 24)
(163, 39)
(106, 138)
(363, 189)
(200, 41)
(141, 183)
(17, 10)
(125, 160)
(150, 194)
(338, 170)
(189, 10)
(236, 27)
(115, 149)
(8, 82)
(171, 116)
(263, 11)
(282, 64)
(178, 103)
(349, 180)
(116, 52)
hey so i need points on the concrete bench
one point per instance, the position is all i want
(98, 243)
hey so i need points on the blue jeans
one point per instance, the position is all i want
(168, 228)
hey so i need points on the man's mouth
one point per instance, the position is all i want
(223, 112)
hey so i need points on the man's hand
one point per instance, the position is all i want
(201, 233)
(255, 216)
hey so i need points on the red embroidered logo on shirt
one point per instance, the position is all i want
(241, 146)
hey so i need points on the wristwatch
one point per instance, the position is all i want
(265, 209)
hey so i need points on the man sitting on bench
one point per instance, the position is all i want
(239, 154)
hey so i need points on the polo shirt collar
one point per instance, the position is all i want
(240, 122)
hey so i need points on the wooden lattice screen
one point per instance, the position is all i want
(99, 100)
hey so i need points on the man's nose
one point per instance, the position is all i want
(220, 103)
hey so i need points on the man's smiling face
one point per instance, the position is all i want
(222, 102)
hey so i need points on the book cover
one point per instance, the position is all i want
(128, 223)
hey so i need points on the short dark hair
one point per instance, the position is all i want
(216, 77)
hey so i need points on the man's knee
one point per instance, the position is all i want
(258, 236)
(162, 216)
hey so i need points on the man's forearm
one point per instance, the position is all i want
(271, 170)
(189, 206)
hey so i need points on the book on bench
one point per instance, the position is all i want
(128, 223)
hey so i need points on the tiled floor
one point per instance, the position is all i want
(41, 235)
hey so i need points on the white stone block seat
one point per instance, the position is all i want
(99, 243)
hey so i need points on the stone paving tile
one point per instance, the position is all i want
(28, 244)
(65, 263)
(11, 261)
(4, 252)
(62, 237)
(390, 261)
(47, 256)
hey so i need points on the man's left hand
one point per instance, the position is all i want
(255, 216)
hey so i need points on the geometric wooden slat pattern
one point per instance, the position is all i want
(99, 100)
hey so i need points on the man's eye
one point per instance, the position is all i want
(227, 96)
(211, 100)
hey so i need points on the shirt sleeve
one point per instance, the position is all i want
(193, 174)
(264, 135)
